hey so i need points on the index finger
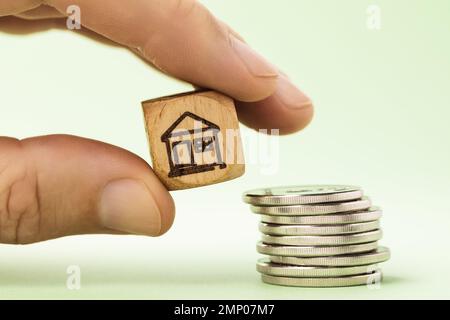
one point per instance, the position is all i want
(182, 38)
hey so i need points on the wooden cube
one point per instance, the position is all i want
(194, 139)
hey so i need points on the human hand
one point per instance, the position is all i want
(59, 185)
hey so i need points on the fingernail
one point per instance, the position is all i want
(128, 206)
(290, 95)
(254, 62)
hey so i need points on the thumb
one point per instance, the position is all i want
(56, 186)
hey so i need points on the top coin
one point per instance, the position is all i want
(307, 194)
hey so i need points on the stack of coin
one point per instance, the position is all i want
(318, 236)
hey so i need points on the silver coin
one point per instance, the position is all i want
(339, 240)
(305, 194)
(315, 209)
(373, 213)
(362, 279)
(381, 254)
(265, 266)
(314, 251)
(319, 230)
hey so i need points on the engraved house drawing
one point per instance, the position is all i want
(192, 145)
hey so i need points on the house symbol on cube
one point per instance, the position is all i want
(192, 145)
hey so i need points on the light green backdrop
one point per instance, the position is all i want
(383, 106)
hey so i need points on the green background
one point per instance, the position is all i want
(382, 110)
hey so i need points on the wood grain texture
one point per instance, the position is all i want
(194, 139)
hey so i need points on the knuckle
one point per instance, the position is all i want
(183, 8)
(190, 15)
(187, 24)
(19, 205)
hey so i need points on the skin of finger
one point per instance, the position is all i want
(50, 186)
(268, 113)
(12, 7)
(41, 12)
(180, 37)
(271, 113)
(168, 43)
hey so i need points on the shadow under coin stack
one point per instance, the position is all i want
(318, 236)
